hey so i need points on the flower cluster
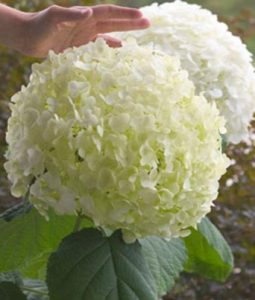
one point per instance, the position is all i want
(118, 135)
(218, 63)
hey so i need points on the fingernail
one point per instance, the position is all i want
(139, 14)
(145, 22)
(86, 11)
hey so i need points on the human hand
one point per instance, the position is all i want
(57, 28)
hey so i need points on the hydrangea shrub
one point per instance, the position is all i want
(117, 135)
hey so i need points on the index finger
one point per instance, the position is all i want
(102, 12)
(122, 25)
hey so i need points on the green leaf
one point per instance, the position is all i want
(165, 259)
(10, 291)
(88, 265)
(208, 252)
(28, 240)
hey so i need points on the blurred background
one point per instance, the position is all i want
(234, 212)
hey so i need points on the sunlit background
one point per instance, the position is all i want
(234, 213)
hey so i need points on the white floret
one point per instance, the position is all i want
(218, 63)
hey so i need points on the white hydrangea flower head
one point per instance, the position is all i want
(218, 63)
(119, 135)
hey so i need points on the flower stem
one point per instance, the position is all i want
(27, 289)
(77, 223)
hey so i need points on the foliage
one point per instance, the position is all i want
(99, 268)
(165, 259)
(29, 239)
(10, 291)
(208, 253)
(147, 269)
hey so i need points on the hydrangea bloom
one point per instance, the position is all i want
(218, 63)
(118, 135)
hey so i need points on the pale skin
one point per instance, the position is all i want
(57, 28)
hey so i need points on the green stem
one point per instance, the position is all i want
(24, 288)
(77, 223)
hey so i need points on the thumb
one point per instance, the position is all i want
(69, 14)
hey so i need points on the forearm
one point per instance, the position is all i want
(12, 23)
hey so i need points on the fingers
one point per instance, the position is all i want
(102, 12)
(122, 25)
(111, 41)
(65, 14)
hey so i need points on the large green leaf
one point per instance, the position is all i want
(165, 259)
(208, 252)
(10, 291)
(27, 241)
(88, 265)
